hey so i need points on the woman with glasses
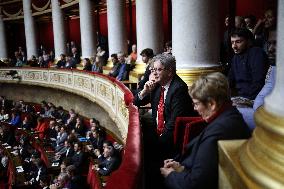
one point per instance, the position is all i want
(199, 165)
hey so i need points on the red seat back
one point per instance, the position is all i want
(180, 125)
(192, 129)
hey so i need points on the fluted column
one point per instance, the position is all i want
(58, 29)
(3, 45)
(88, 36)
(149, 24)
(29, 29)
(116, 26)
(195, 37)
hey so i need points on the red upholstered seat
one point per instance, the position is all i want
(186, 128)
(192, 129)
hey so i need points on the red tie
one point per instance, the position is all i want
(160, 127)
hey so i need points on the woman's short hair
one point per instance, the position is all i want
(213, 86)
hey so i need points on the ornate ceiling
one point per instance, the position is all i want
(13, 9)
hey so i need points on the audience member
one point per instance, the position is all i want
(239, 22)
(116, 66)
(62, 62)
(41, 128)
(147, 54)
(15, 119)
(98, 65)
(169, 98)
(75, 181)
(70, 62)
(262, 28)
(249, 66)
(33, 61)
(248, 112)
(75, 55)
(250, 21)
(87, 66)
(133, 55)
(102, 53)
(61, 137)
(3, 115)
(211, 99)
(122, 74)
(78, 157)
(110, 163)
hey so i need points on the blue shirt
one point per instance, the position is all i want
(266, 90)
(121, 72)
(16, 121)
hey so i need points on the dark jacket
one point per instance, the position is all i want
(108, 166)
(248, 71)
(201, 157)
(177, 104)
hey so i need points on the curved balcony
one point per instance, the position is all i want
(109, 94)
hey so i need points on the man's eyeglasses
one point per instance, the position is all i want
(157, 69)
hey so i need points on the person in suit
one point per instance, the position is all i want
(110, 164)
(41, 171)
(122, 73)
(75, 56)
(169, 99)
(66, 152)
(211, 99)
(61, 137)
(177, 101)
(78, 157)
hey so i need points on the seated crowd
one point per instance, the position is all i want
(70, 140)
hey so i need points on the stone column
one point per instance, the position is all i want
(275, 103)
(149, 24)
(29, 30)
(3, 44)
(259, 161)
(58, 29)
(87, 29)
(195, 37)
(116, 27)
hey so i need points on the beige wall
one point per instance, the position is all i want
(65, 99)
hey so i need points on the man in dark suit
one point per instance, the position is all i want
(174, 101)
(177, 101)
(66, 152)
(78, 157)
(110, 163)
